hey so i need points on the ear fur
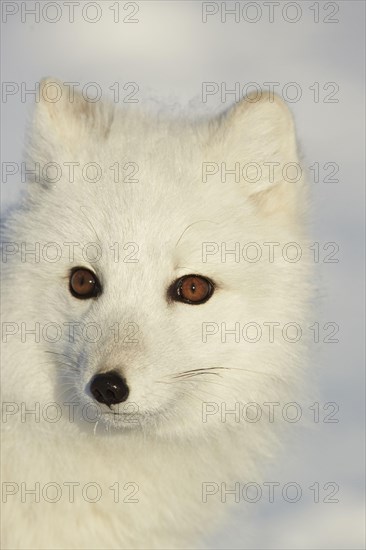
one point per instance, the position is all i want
(63, 118)
(259, 134)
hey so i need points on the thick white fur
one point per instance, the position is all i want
(171, 451)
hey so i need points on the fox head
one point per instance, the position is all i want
(157, 267)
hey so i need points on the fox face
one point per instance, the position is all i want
(150, 272)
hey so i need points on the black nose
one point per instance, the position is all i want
(109, 388)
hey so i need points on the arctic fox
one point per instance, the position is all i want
(152, 277)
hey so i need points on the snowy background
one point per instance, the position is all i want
(170, 51)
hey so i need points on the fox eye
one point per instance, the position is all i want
(83, 283)
(191, 289)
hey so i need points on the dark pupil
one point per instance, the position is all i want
(193, 288)
(83, 282)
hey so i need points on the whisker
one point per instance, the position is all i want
(84, 212)
(193, 374)
(190, 225)
(62, 355)
(95, 428)
(210, 370)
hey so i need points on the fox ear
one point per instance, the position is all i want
(259, 134)
(63, 119)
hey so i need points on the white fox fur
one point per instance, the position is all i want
(169, 212)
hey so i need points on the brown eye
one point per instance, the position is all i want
(192, 289)
(84, 283)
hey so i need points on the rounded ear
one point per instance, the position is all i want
(261, 130)
(268, 116)
(63, 119)
(257, 137)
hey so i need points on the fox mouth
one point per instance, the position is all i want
(127, 417)
(121, 419)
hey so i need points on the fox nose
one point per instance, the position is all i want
(109, 388)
